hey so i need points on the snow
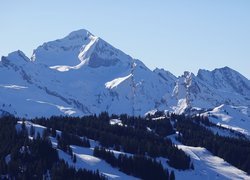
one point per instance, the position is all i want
(115, 122)
(206, 165)
(149, 129)
(114, 83)
(65, 110)
(158, 118)
(13, 86)
(38, 128)
(7, 159)
(181, 106)
(88, 49)
(211, 167)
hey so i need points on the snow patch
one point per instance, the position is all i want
(116, 122)
(13, 86)
(114, 83)
(65, 110)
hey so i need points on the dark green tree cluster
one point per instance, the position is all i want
(66, 139)
(161, 127)
(138, 166)
(236, 151)
(32, 159)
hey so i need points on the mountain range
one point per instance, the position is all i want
(81, 74)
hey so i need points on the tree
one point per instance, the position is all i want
(192, 166)
(32, 131)
(172, 175)
(74, 158)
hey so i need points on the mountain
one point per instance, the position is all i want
(82, 74)
(78, 75)
(223, 90)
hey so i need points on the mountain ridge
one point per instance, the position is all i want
(83, 74)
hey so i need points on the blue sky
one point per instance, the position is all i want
(176, 35)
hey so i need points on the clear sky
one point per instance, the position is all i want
(176, 35)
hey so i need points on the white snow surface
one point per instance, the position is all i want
(208, 166)
(114, 83)
(115, 122)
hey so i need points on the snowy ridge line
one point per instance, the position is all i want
(93, 77)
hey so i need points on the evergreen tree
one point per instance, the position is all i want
(32, 131)
(74, 158)
(172, 175)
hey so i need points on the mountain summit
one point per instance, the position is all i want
(79, 48)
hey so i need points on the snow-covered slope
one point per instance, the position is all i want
(206, 165)
(232, 117)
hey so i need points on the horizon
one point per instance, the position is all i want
(177, 36)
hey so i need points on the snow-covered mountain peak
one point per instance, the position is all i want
(226, 79)
(166, 75)
(79, 48)
(16, 57)
(63, 51)
(79, 34)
